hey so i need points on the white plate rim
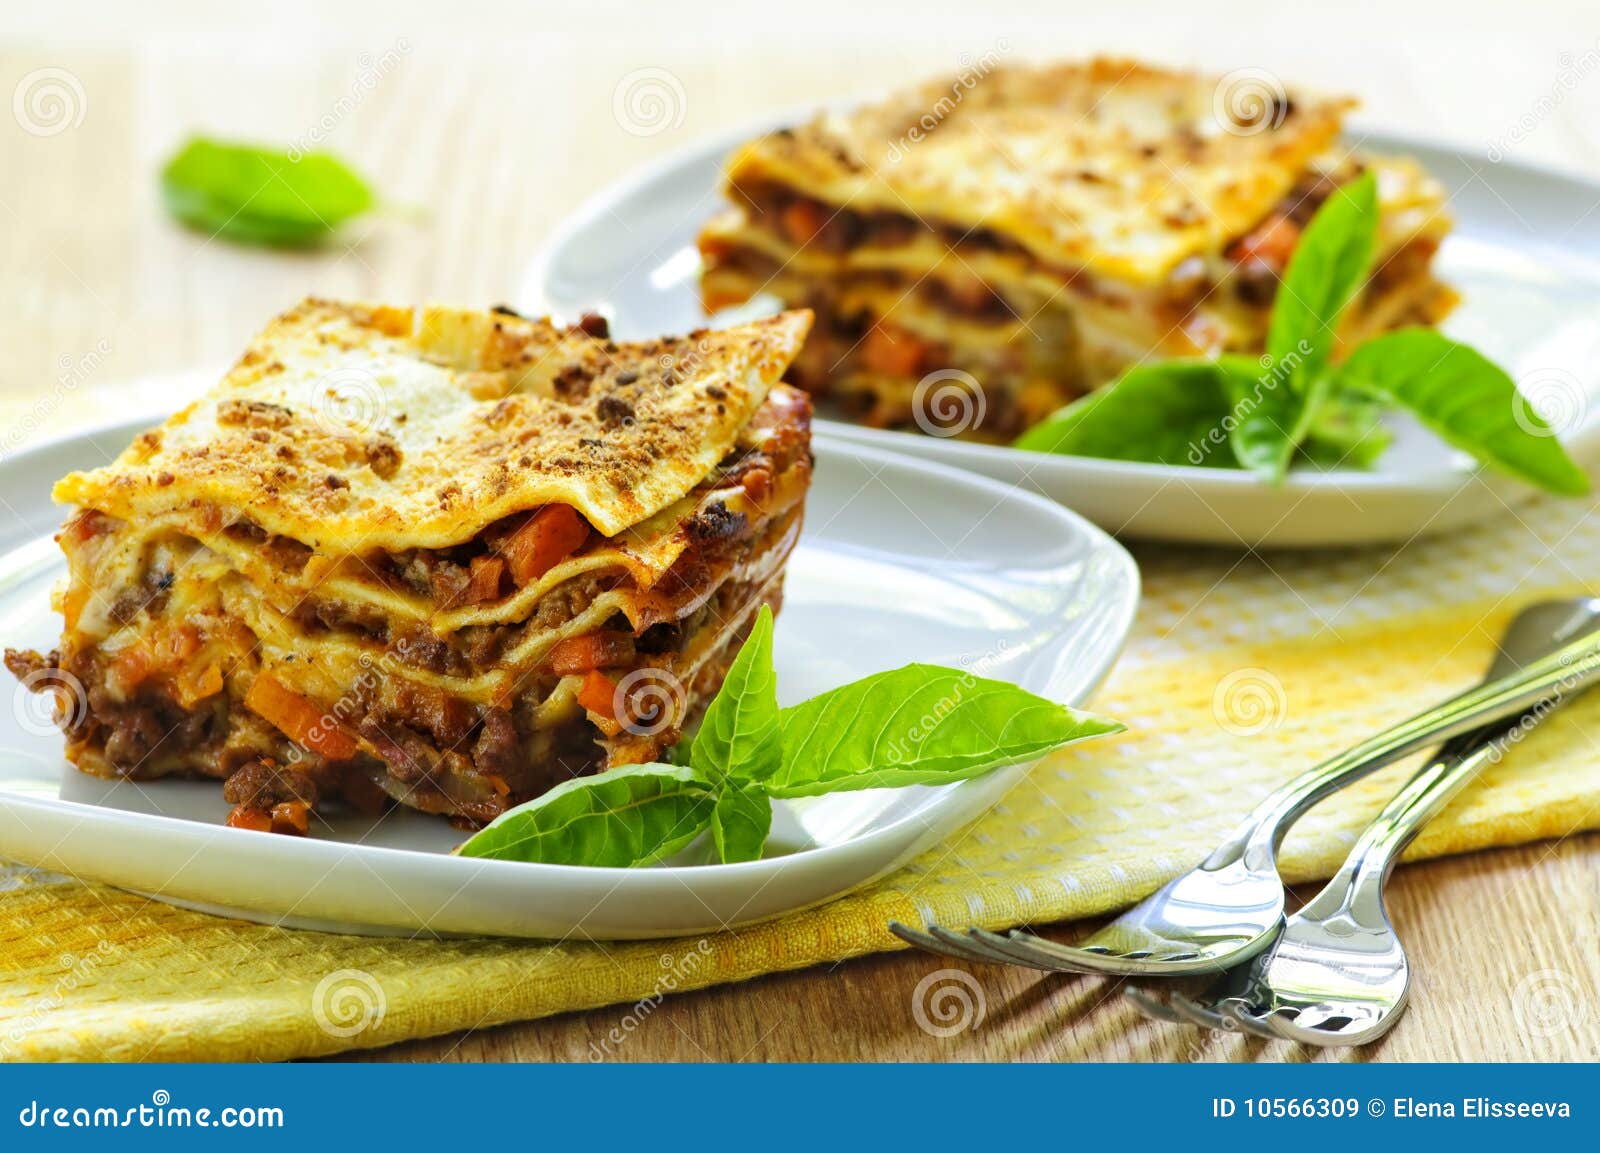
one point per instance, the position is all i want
(962, 801)
(1438, 482)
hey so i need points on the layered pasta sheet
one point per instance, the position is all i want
(443, 558)
(1039, 229)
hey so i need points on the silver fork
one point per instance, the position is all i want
(1230, 908)
(1337, 974)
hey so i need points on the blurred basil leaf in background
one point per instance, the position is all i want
(262, 196)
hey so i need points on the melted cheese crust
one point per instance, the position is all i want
(1111, 166)
(354, 427)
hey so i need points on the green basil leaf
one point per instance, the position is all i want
(919, 725)
(1467, 400)
(634, 815)
(741, 822)
(1327, 268)
(738, 739)
(261, 195)
(1269, 416)
(1348, 432)
(1165, 413)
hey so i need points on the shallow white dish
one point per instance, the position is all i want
(900, 561)
(1522, 255)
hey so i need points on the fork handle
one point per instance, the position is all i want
(1567, 669)
(1358, 885)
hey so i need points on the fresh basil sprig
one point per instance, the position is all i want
(261, 195)
(1466, 400)
(633, 815)
(1156, 413)
(918, 725)
(738, 745)
(1327, 268)
(1294, 400)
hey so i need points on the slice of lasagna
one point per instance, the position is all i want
(1034, 231)
(444, 558)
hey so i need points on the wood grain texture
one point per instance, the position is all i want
(483, 125)
(1502, 943)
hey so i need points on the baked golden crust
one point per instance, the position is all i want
(357, 427)
(1111, 166)
(315, 585)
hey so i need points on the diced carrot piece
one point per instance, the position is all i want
(1271, 244)
(757, 483)
(594, 651)
(183, 642)
(246, 817)
(291, 817)
(85, 526)
(896, 353)
(193, 685)
(545, 539)
(599, 694)
(72, 604)
(300, 718)
(484, 584)
(132, 667)
(802, 220)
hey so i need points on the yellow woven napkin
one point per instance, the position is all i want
(1242, 671)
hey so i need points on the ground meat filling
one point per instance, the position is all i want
(804, 220)
(390, 737)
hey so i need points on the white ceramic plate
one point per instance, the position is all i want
(1523, 256)
(900, 561)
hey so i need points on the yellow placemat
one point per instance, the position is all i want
(1242, 671)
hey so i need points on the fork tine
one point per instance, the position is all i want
(1019, 949)
(972, 943)
(1296, 1028)
(1286, 1028)
(1154, 1007)
(1197, 1014)
(939, 946)
(1237, 1012)
(1069, 959)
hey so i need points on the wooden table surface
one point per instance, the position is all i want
(485, 124)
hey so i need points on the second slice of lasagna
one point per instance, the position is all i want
(1033, 231)
(444, 558)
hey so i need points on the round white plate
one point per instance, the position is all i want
(900, 561)
(1523, 255)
